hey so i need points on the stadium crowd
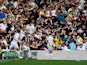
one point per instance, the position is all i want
(40, 24)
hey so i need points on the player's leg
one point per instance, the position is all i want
(17, 50)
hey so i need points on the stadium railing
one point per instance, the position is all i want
(43, 55)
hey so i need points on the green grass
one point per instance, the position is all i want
(42, 62)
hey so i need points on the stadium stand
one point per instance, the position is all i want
(48, 25)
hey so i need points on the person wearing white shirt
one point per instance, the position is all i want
(2, 5)
(81, 47)
(12, 28)
(85, 43)
(37, 36)
(78, 40)
(49, 41)
(54, 12)
(85, 12)
(3, 41)
(3, 27)
(81, 1)
(30, 28)
(16, 3)
(81, 4)
(33, 4)
(48, 12)
(64, 47)
(22, 33)
(50, 38)
(71, 9)
(49, 48)
(14, 43)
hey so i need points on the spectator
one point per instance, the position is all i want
(3, 27)
(72, 46)
(34, 45)
(81, 47)
(2, 14)
(4, 43)
(30, 28)
(64, 47)
(85, 43)
(2, 6)
(61, 17)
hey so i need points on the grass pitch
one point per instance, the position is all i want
(42, 62)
